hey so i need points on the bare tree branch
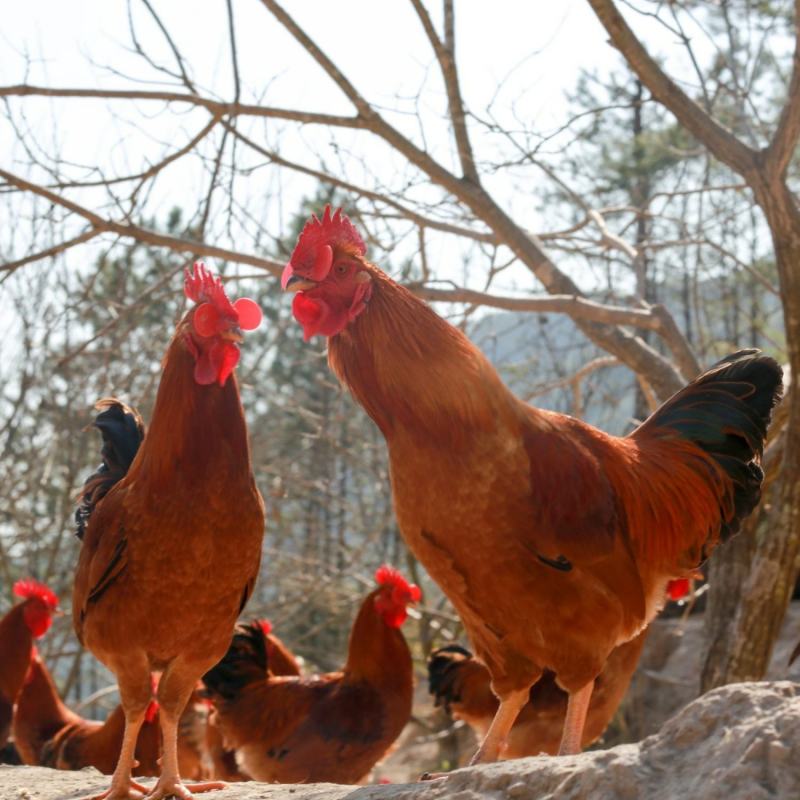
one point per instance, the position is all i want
(136, 232)
(722, 143)
(217, 107)
(12, 266)
(781, 149)
(445, 54)
(574, 305)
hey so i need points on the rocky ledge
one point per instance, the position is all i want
(740, 742)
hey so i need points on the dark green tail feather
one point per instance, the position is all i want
(726, 412)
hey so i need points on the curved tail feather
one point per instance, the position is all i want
(122, 429)
(710, 437)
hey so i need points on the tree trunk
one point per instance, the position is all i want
(755, 621)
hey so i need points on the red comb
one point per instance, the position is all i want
(389, 576)
(203, 287)
(331, 230)
(28, 587)
(266, 626)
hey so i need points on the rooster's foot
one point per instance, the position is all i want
(130, 790)
(172, 787)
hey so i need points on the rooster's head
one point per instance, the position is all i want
(394, 596)
(40, 603)
(329, 275)
(215, 326)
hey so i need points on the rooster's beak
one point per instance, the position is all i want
(233, 335)
(298, 284)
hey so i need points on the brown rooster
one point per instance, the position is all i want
(25, 622)
(553, 540)
(171, 553)
(331, 727)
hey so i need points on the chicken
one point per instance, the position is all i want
(25, 622)
(461, 684)
(332, 727)
(553, 540)
(171, 553)
(49, 734)
(279, 661)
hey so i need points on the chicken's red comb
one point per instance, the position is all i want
(203, 286)
(266, 626)
(27, 588)
(389, 576)
(332, 230)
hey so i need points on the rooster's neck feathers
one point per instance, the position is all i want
(377, 652)
(193, 427)
(409, 368)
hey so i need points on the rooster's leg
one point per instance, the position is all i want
(496, 736)
(174, 690)
(123, 787)
(504, 719)
(577, 707)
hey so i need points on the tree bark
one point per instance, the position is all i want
(764, 593)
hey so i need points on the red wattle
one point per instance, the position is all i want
(310, 313)
(248, 312)
(228, 359)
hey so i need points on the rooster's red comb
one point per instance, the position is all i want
(202, 286)
(333, 230)
(27, 588)
(266, 626)
(390, 577)
(216, 312)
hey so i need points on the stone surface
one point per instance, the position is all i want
(741, 742)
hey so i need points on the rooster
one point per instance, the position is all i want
(331, 727)
(25, 622)
(461, 684)
(171, 553)
(554, 540)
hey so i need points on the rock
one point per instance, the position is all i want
(740, 742)
(668, 675)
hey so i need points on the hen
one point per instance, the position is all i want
(279, 660)
(461, 684)
(49, 734)
(25, 622)
(331, 727)
(171, 553)
(554, 540)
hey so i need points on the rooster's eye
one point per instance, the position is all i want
(341, 269)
